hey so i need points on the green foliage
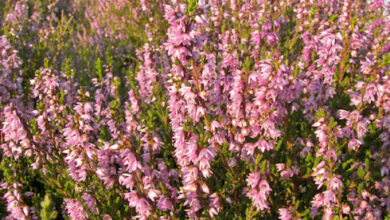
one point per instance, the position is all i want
(48, 211)
(82, 60)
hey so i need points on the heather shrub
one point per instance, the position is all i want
(239, 109)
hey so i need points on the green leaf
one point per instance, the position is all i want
(192, 5)
(62, 96)
(367, 163)
(98, 66)
(332, 122)
(279, 144)
(360, 172)
(48, 209)
(263, 166)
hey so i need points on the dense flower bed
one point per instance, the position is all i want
(170, 109)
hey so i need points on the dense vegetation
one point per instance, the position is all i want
(175, 109)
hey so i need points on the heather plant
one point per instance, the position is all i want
(185, 109)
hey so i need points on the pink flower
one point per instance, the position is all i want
(270, 130)
(335, 183)
(130, 161)
(280, 166)
(90, 202)
(272, 39)
(287, 173)
(354, 117)
(284, 214)
(192, 149)
(214, 204)
(346, 209)
(318, 200)
(264, 145)
(354, 144)
(331, 154)
(190, 175)
(13, 133)
(371, 91)
(328, 214)
(15, 207)
(329, 197)
(266, 68)
(362, 128)
(140, 204)
(205, 157)
(153, 194)
(74, 209)
(232, 162)
(255, 38)
(342, 114)
(258, 201)
(253, 179)
(164, 204)
(264, 189)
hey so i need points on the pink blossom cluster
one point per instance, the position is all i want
(227, 109)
